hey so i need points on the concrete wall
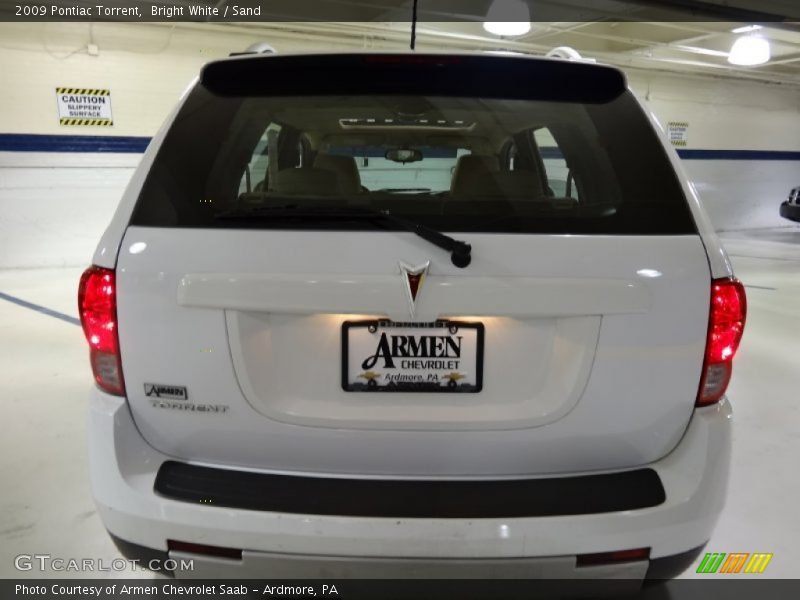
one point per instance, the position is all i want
(743, 190)
(54, 205)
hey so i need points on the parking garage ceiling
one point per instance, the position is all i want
(685, 36)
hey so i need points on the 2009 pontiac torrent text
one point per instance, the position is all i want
(411, 315)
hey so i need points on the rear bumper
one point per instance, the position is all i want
(255, 565)
(123, 471)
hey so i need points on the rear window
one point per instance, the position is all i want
(462, 158)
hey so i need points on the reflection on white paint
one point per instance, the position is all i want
(137, 248)
(652, 273)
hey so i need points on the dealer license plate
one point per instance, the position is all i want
(383, 356)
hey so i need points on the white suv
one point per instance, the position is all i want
(298, 372)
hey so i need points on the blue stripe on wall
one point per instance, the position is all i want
(23, 142)
(738, 155)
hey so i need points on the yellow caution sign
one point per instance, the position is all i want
(83, 91)
(84, 107)
(678, 132)
(92, 122)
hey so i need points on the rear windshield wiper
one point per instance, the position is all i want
(460, 252)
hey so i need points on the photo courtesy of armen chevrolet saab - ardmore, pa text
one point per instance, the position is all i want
(399, 299)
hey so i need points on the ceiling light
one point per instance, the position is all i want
(508, 18)
(749, 50)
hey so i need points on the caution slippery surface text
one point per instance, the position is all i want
(84, 106)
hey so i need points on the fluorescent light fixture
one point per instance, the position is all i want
(699, 50)
(746, 29)
(508, 18)
(749, 50)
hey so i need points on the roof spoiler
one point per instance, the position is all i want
(507, 78)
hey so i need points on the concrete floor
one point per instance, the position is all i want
(46, 507)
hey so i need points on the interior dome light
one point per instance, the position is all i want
(749, 50)
(508, 18)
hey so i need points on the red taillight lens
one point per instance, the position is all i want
(610, 558)
(217, 551)
(97, 305)
(725, 327)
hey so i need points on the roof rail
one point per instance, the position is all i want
(256, 48)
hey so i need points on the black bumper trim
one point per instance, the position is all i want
(463, 499)
(144, 555)
(669, 567)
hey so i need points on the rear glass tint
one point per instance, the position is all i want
(459, 159)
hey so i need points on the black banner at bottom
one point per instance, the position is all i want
(386, 589)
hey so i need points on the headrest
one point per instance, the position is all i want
(346, 171)
(471, 170)
(476, 176)
(521, 184)
(306, 181)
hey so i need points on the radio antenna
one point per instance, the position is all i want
(414, 25)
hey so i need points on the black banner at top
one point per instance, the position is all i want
(786, 12)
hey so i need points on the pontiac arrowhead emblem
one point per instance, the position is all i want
(413, 280)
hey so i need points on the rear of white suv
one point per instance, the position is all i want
(411, 315)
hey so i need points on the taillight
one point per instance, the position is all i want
(725, 327)
(97, 305)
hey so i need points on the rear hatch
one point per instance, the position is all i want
(281, 305)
